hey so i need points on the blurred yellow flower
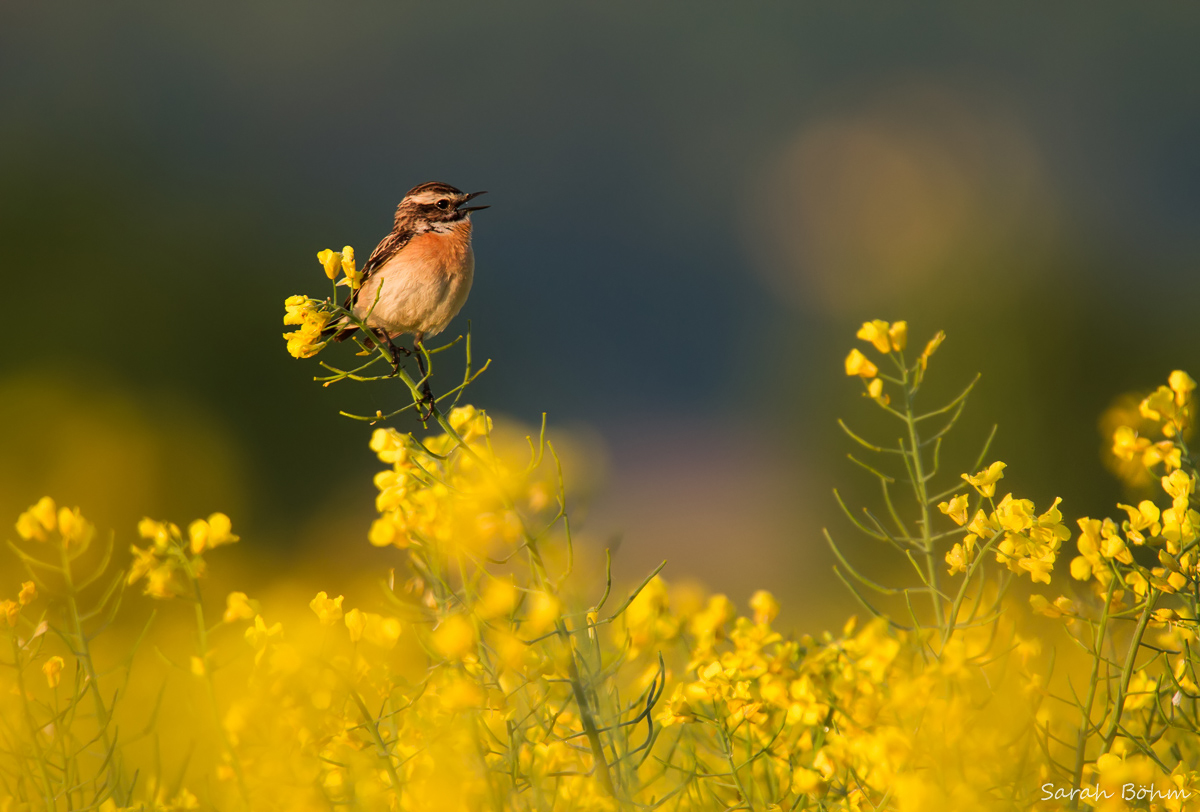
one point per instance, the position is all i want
(328, 610)
(454, 637)
(765, 607)
(858, 364)
(239, 607)
(876, 332)
(27, 594)
(53, 668)
(160, 533)
(544, 611)
(260, 636)
(927, 353)
(498, 600)
(389, 445)
(1182, 385)
(389, 530)
(74, 529)
(470, 422)
(11, 610)
(875, 392)
(163, 581)
(379, 630)
(36, 523)
(206, 535)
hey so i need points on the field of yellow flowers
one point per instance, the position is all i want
(1006, 673)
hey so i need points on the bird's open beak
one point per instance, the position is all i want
(459, 207)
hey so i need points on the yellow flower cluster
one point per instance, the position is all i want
(42, 519)
(311, 317)
(1166, 411)
(1025, 541)
(343, 261)
(1106, 547)
(490, 676)
(10, 610)
(466, 500)
(166, 564)
(888, 339)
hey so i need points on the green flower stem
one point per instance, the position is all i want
(48, 798)
(1085, 723)
(1135, 646)
(103, 715)
(919, 479)
(210, 687)
(590, 728)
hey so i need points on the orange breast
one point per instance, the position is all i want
(442, 253)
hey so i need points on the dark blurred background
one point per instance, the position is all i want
(693, 209)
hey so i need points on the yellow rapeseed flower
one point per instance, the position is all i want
(1182, 385)
(875, 392)
(205, 535)
(470, 422)
(765, 607)
(927, 353)
(160, 533)
(956, 509)
(27, 594)
(53, 668)
(331, 261)
(163, 582)
(389, 530)
(10, 610)
(1144, 517)
(544, 610)
(260, 636)
(328, 610)
(379, 630)
(959, 558)
(876, 332)
(74, 529)
(498, 600)
(389, 445)
(858, 364)
(311, 319)
(353, 277)
(239, 607)
(985, 481)
(454, 637)
(36, 523)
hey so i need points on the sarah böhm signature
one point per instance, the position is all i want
(1129, 792)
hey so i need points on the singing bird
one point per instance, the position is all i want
(417, 279)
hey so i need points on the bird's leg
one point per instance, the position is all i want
(394, 349)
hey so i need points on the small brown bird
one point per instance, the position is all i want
(417, 279)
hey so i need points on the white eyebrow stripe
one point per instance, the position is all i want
(426, 198)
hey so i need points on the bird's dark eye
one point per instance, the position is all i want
(443, 204)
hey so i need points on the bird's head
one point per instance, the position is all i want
(435, 205)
